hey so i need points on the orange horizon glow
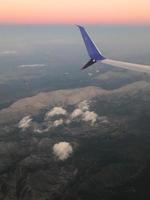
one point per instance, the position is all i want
(75, 11)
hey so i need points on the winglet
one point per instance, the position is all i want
(92, 50)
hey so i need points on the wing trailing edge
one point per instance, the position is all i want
(126, 65)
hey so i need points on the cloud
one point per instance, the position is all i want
(103, 119)
(37, 130)
(90, 74)
(66, 73)
(8, 52)
(58, 122)
(90, 116)
(83, 113)
(63, 117)
(56, 111)
(68, 121)
(62, 150)
(84, 105)
(32, 65)
(76, 113)
(25, 122)
(50, 125)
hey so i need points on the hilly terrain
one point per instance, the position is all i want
(85, 143)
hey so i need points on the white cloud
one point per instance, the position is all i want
(25, 122)
(37, 130)
(83, 112)
(62, 150)
(58, 122)
(8, 52)
(76, 113)
(56, 111)
(103, 119)
(90, 116)
(90, 74)
(32, 65)
(68, 121)
(66, 73)
(84, 105)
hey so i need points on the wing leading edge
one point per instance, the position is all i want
(95, 56)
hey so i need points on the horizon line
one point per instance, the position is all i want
(82, 23)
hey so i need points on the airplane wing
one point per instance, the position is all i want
(92, 50)
(96, 56)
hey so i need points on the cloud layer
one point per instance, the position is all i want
(58, 116)
(8, 52)
(32, 65)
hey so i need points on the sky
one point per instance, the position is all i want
(75, 11)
